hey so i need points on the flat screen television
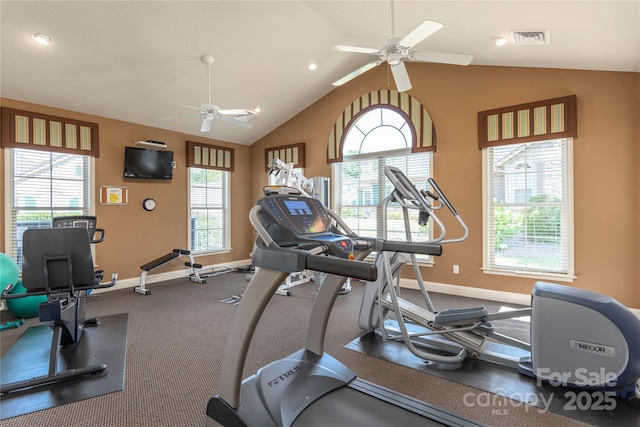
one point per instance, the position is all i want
(148, 163)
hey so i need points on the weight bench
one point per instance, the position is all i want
(146, 268)
(57, 262)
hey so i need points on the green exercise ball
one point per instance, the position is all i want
(9, 271)
(25, 307)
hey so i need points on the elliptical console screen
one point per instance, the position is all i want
(400, 181)
(301, 215)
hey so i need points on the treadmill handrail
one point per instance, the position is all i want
(291, 259)
(342, 267)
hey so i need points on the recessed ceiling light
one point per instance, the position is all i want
(313, 66)
(500, 41)
(42, 38)
(256, 108)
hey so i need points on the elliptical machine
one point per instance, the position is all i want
(578, 339)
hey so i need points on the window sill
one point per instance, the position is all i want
(211, 252)
(531, 275)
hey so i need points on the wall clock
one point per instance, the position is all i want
(149, 204)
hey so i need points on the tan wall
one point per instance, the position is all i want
(606, 155)
(133, 235)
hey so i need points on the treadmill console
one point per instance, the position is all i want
(294, 220)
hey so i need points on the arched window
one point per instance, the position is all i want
(380, 135)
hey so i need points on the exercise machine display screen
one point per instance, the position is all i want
(300, 215)
(400, 182)
(297, 207)
(299, 220)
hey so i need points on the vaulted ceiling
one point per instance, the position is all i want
(138, 61)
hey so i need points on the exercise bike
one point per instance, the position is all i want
(58, 263)
(578, 338)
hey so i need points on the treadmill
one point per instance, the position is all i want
(309, 387)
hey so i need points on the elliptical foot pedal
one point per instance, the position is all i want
(460, 316)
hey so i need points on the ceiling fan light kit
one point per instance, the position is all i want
(395, 51)
(237, 116)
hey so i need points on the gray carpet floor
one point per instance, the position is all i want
(175, 343)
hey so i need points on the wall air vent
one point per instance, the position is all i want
(530, 37)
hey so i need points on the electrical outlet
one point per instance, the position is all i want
(456, 269)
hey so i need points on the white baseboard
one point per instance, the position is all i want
(463, 291)
(488, 294)
(170, 275)
(466, 291)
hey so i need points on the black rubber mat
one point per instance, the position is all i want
(581, 405)
(105, 343)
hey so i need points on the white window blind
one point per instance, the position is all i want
(209, 207)
(529, 208)
(378, 138)
(361, 186)
(44, 185)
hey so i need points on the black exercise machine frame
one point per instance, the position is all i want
(66, 285)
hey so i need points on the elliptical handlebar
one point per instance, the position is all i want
(441, 195)
(449, 206)
(406, 192)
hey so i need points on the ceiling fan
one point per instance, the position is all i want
(396, 50)
(237, 116)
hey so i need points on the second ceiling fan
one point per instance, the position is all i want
(396, 50)
(237, 116)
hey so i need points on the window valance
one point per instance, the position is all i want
(25, 129)
(293, 153)
(535, 121)
(425, 132)
(209, 156)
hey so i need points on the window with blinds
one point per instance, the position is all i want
(529, 208)
(209, 208)
(378, 138)
(44, 185)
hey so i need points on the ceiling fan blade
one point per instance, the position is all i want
(356, 49)
(233, 111)
(401, 77)
(443, 58)
(420, 33)
(235, 122)
(356, 73)
(190, 106)
(206, 124)
(181, 115)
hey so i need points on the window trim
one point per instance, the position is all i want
(227, 216)
(407, 152)
(486, 262)
(8, 191)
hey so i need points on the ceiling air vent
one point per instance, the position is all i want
(531, 37)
